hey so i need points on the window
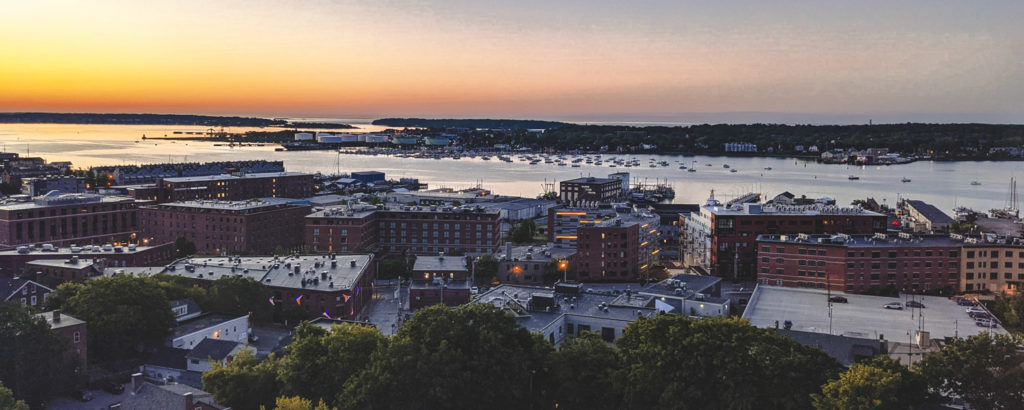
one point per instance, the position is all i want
(77, 337)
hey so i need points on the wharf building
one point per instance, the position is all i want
(231, 187)
(721, 240)
(151, 173)
(418, 230)
(610, 245)
(339, 285)
(590, 190)
(860, 263)
(227, 227)
(64, 219)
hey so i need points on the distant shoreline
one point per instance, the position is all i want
(159, 119)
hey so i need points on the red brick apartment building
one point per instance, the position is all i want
(74, 330)
(619, 249)
(227, 227)
(340, 285)
(63, 219)
(420, 230)
(14, 262)
(237, 186)
(722, 239)
(589, 190)
(859, 263)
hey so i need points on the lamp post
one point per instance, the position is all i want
(472, 275)
(563, 266)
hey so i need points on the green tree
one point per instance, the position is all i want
(523, 232)
(985, 370)
(442, 358)
(584, 370)
(180, 287)
(298, 403)
(1010, 311)
(881, 383)
(123, 313)
(240, 296)
(486, 268)
(61, 294)
(675, 361)
(184, 247)
(7, 400)
(245, 383)
(32, 358)
(391, 268)
(318, 363)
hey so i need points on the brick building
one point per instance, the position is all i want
(56, 271)
(439, 279)
(849, 263)
(74, 330)
(237, 186)
(419, 230)
(591, 190)
(623, 248)
(721, 239)
(61, 219)
(340, 285)
(227, 227)
(13, 262)
(993, 267)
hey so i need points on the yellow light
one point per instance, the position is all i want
(655, 251)
(570, 213)
(644, 243)
(644, 226)
(216, 334)
(643, 267)
(516, 269)
(573, 237)
(563, 265)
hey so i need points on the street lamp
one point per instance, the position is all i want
(564, 267)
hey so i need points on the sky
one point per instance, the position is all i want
(586, 61)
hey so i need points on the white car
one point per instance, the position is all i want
(893, 305)
(474, 290)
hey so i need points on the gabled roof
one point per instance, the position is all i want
(9, 288)
(171, 396)
(212, 349)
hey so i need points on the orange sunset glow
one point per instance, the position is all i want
(323, 58)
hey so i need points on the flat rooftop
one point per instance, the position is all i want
(863, 317)
(52, 200)
(440, 263)
(313, 272)
(63, 263)
(248, 204)
(795, 210)
(65, 320)
(695, 283)
(198, 323)
(592, 180)
(585, 304)
(865, 241)
(225, 177)
(82, 251)
(363, 210)
(535, 253)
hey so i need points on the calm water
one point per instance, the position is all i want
(944, 184)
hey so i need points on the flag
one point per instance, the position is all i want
(272, 302)
(298, 300)
(346, 298)
(327, 314)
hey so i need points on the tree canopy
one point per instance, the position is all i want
(245, 383)
(7, 400)
(318, 363)
(33, 360)
(124, 313)
(881, 383)
(443, 358)
(584, 370)
(985, 370)
(723, 362)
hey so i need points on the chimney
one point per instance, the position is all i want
(56, 316)
(136, 382)
(188, 400)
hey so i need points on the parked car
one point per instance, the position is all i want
(915, 304)
(113, 388)
(975, 310)
(81, 395)
(986, 323)
(893, 305)
(838, 299)
(979, 315)
(474, 290)
(965, 302)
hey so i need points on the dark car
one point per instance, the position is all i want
(838, 299)
(915, 304)
(113, 388)
(81, 395)
(965, 302)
